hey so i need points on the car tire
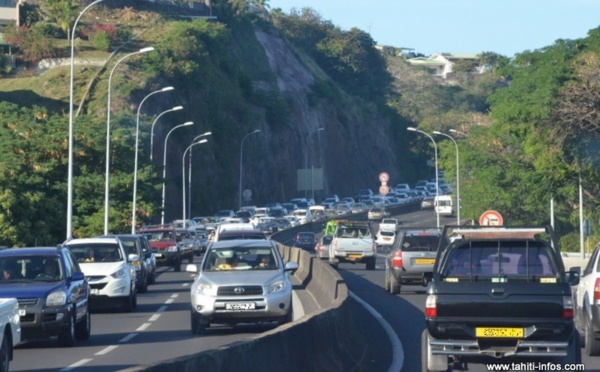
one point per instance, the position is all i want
(83, 329)
(144, 287)
(198, 324)
(386, 286)
(592, 344)
(394, 285)
(152, 278)
(66, 338)
(370, 265)
(425, 354)
(127, 305)
(5, 352)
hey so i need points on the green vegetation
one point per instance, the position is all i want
(528, 127)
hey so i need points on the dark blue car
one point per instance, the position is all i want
(306, 240)
(52, 292)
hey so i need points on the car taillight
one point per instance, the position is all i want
(397, 259)
(431, 306)
(597, 290)
(568, 306)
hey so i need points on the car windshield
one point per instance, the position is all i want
(31, 268)
(501, 262)
(99, 252)
(240, 259)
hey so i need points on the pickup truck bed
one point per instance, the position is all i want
(353, 242)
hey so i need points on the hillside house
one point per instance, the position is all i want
(440, 64)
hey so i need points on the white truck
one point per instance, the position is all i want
(587, 304)
(353, 242)
(10, 326)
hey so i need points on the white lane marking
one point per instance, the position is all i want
(161, 309)
(107, 350)
(128, 337)
(297, 306)
(397, 351)
(169, 301)
(77, 364)
(154, 317)
(143, 327)
(186, 284)
(175, 295)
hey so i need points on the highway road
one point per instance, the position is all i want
(159, 328)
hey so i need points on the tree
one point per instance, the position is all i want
(63, 13)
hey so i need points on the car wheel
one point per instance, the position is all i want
(394, 285)
(592, 345)
(144, 287)
(371, 264)
(198, 324)
(387, 280)
(425, 355)
(128, 303)
(134, 305)
(5, 351)
(152, 278)
(66, 338)
(83, 329)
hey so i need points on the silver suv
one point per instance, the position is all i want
(411, 257)
(241, 281)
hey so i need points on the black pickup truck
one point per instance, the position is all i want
(498, 295)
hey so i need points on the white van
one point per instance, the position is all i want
(444, 205)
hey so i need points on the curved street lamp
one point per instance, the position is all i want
(176, 108)
(187, 123)
(437, 211)
(135, 166)
(183, 170)
(189, 205)
(306, 162)
(457, 174)
(107, 172)
(242, 161)
(70, 165)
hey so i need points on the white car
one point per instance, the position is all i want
(385, 238)
(294, 221)
(109, 271)
(241, 281)
(303, 215)
(389, 224)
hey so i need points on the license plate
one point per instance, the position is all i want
(159, 255)
(94, 291)
(499, 332)
(247, 306)
(425, 261)
(354, 256)
(22, 312)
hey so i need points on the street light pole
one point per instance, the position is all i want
(183, 172)
(306, 161)
(242, 162)
(70, 165)
(187, 123)
(437, 188)
(457, 177)
(135, 166)
(176, 108)
(107, 172)
(189, 205)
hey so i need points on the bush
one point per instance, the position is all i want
(101, 41)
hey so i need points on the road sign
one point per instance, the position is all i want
(384, 177)
(384, 189)
(247, 194)
(491, 218)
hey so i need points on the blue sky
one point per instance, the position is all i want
(461, 26)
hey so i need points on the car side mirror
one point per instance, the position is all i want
(133, 257)
(77, 275)
(291, 266)
(572, 276)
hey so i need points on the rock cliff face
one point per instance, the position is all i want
(357, 142)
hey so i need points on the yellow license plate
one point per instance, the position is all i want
(425, 261)
(499, 332)
(354, 256)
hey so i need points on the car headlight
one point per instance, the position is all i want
(57, 298)
(172, 248)
(277, 286)
(121, 273)
(203, 289)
